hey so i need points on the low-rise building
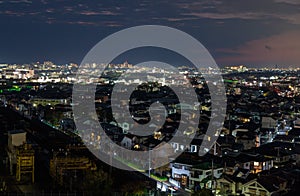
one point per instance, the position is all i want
(264, 186)
(190, 171)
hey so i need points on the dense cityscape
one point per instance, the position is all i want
(257, 151)
(149, 98)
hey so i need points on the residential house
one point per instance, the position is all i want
(264, 186)
(247, 139)
(190, 170)
(231, 184)
(253, 162)
(269, 127)
(282, 152)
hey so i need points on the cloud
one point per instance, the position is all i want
(285, 10)
(69, 9)
(292, 2)
(85, 23)
(82, 23)
(282, 48)
(244, 15)
(268, 47)
(178, 19)
(112, 24)
(109, 13)
(104, 12)
(49, 10)
(89, 13)
(292, 18)
(199, 5)
(13, 13)
(20, 1)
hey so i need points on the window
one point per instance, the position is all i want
(181, 147)
(177, 176)
(193, 148)
(177, 166)
(175, 146)
(187, 168)
(256, 163)
(198, 173)
(184, 180)
(126, 126)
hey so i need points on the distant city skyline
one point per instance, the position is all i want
(253, 33)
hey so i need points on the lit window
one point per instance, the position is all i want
(256, 163)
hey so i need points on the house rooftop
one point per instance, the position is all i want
(277, 147)
(271, 183)
(243, 158)
(235, 178)
(203, 162)
(17, 131)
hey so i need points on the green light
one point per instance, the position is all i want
(231, 81)
(14, 89)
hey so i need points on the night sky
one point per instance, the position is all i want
(253, 33)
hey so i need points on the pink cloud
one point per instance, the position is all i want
(108, 13)
(83, 23)
(277, 49)
(89, 13)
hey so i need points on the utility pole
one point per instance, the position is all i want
(149, 171)
(212, 178)
(212, 173)
(110, 160)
